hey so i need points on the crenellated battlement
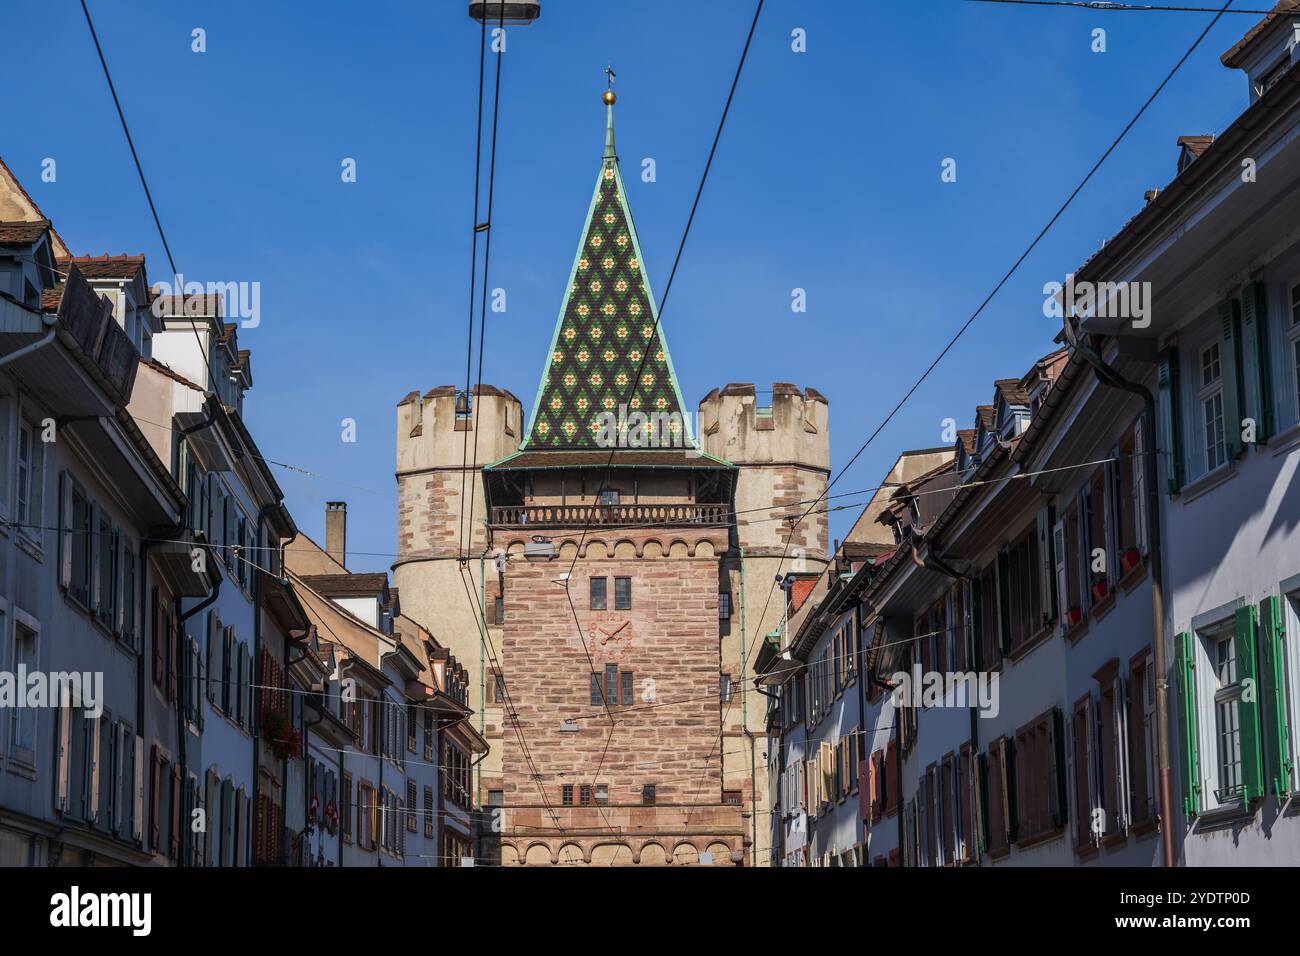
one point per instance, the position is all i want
(431, 427)
(792, 427)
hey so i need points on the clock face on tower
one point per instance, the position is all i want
(608, 638)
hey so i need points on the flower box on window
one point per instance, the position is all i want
(1099, 591)
(1073, 616)
(1130, 559)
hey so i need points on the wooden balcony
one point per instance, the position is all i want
(577, 516)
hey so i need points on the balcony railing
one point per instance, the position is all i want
(567, 516)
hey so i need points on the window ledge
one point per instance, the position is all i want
(1114, 841)
(1224, 816)
(29, 545)
(1087, 852)
(19, 769)
(1040, 636)
(1144, 827)
(1285, 441)
(1075, 633)
(1134, 577)
(1038, 839)
(1206, 483)
(1102, 607)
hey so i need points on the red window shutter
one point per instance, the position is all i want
(260, 846)
(892, 795)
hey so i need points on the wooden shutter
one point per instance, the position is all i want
(65, 529)
(1046, 563)
(155, 793)
(1008, 768)
(1004, 601)
(1056, 798)
(177, 806)
(137, 773)
(93, 754)
(1272, 682)
(993, 787)
(64, 757)
(214, 631)
(1171, 428)
(1120, 729)
(1191, 752)
(1095, 783)
(1230, 321)
(1060, 569)
(155, 625)
(227, 823)
(1254, 338)
(923, 823)
(1252, 758)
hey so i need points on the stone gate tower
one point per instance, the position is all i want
(622, 564)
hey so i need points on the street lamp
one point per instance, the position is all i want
(508, 11)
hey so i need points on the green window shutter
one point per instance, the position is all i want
(1272, 683)
(1252, 758)
(1191, 763)
(1171, 431)
(1230, 362)
(1254, 340)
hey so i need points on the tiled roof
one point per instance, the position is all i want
(623, 458)
(1012, 391)
(335, 584)
(107, 267)
(607, 347)
(51, 298)
(169, 372)
(985, 413)
(1235, 55)
(1196, 144)
(967, 438)
(22, 233)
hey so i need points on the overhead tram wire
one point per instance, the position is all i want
(461, 550)
(148, 194)
(1104, 7)
(974, 315)
(482, 310)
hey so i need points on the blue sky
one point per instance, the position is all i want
(827, 179)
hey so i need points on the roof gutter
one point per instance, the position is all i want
(51, 323)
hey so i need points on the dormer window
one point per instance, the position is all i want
(1274, 75)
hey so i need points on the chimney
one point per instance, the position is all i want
(336, 531)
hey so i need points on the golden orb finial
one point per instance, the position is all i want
(609, 97)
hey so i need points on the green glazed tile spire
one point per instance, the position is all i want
(605, 328)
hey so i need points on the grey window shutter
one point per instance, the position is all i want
(1230, 360)
(1171, 432)
(1254, 336)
